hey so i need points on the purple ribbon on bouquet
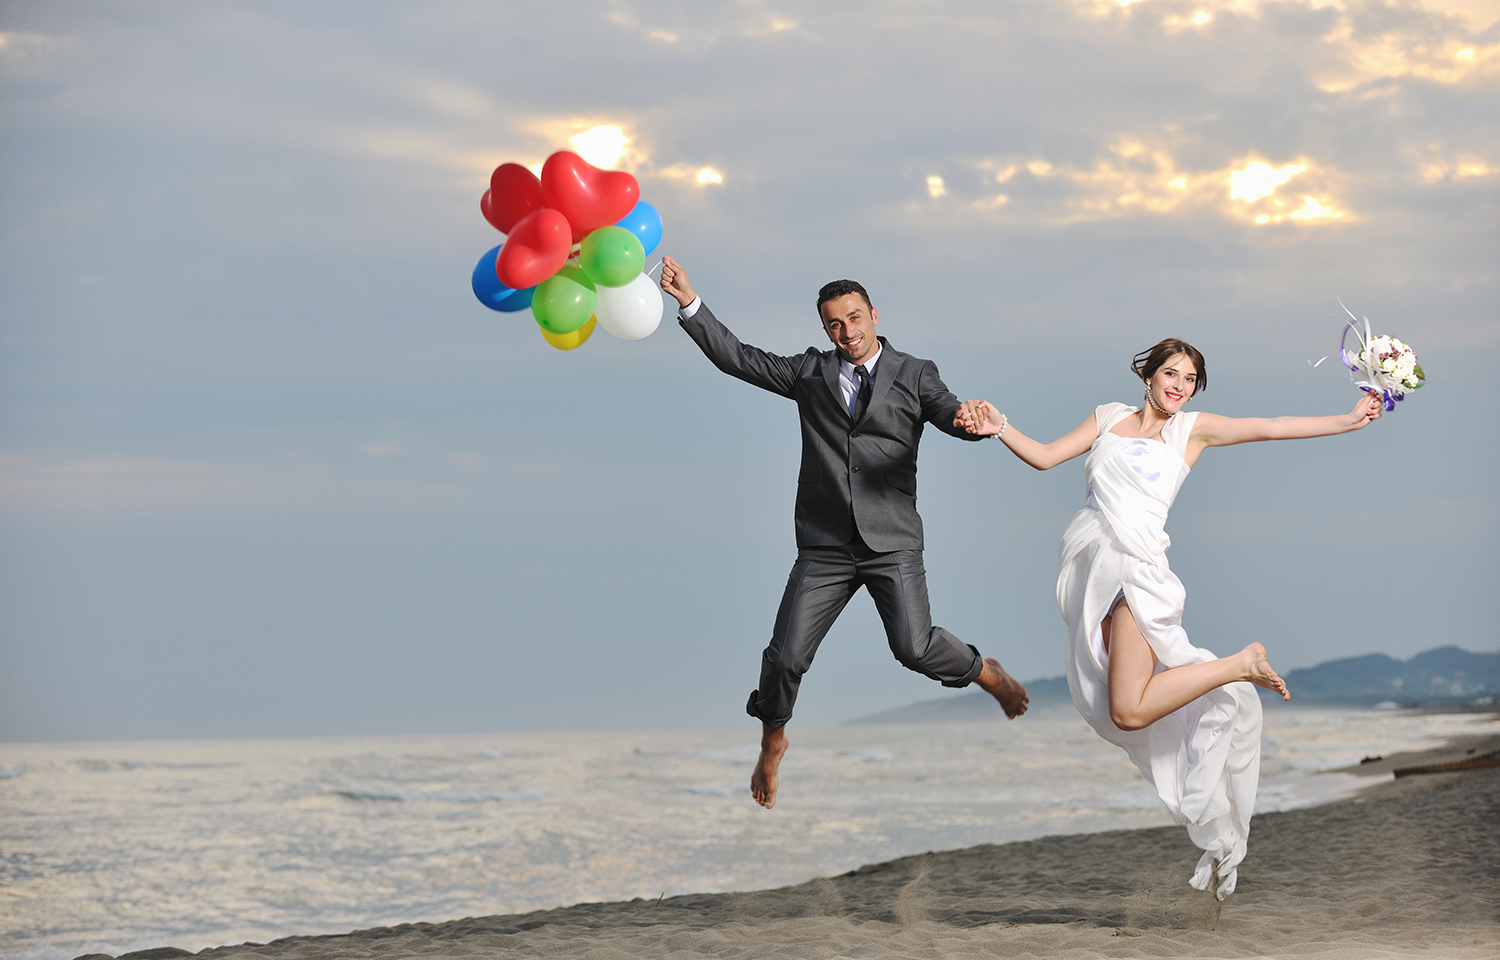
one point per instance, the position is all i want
(1388, 396)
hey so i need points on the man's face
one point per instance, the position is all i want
(850, 323)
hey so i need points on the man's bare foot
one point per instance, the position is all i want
(773, 744)
(1258, 671)
(994, 681)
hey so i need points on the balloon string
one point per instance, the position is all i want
(654, 269)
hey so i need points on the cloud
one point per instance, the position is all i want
(286, 484)
(319, 90)
(694, 23)
(1131, 179)
(30, 55)
(30, 481)
(1186, 96)
(275, 210)
(602, 146)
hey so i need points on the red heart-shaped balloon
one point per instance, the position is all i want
(589, 197)
(514, 194)
(484, 209)
(536, 248)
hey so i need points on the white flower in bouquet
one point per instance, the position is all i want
(1389, 366)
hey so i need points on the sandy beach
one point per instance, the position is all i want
(1408, 868)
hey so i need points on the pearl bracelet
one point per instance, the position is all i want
(1004, 422)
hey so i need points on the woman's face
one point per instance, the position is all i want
(1174, 382)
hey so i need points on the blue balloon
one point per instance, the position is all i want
(494, 294)
(645, 223)
(517, 301)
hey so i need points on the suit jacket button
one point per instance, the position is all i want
(854, 469)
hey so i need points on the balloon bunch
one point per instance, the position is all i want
(575, 242)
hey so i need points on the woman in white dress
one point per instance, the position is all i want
(1190, 721)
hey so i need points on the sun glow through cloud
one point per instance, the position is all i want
(1177, 24)
(1361, 57)
(1260, 179)
(601, 146)
(1255, 185)
(1133, 176)
(935, 187)
(1455, 168)
(1138, 175)
(1358, 50)
(1313, 210)
(691, 173)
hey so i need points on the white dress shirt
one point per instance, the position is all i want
(849, 380)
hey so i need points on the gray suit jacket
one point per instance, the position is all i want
(861, 473)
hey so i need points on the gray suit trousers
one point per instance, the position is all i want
(821, 584)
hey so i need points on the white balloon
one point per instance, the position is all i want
(632, 311)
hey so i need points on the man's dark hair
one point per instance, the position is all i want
(841, 288)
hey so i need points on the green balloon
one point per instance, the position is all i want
(564, 302)
(613, 256)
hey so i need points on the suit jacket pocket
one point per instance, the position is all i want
(810, 473)
(905, 482)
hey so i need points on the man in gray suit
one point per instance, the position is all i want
(863, 406)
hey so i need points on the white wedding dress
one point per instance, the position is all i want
(1203, 759)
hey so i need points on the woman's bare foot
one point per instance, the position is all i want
(773, 744)
(994, 681)
(1258, 671)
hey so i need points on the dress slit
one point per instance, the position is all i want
(1204, 758)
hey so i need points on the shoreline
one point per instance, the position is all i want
(1414, 771)
(1404, 867)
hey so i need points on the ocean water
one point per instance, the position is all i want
(109, 847)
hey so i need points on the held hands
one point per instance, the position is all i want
(979, 417)
(674, 280)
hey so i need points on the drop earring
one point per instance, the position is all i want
(1152, 400)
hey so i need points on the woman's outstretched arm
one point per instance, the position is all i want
(1212, 430)
(980, 417)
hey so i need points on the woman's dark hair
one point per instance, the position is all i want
(841, 288)
(1147, 362)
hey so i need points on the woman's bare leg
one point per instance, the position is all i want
(1138, 697)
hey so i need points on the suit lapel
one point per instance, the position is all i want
(831, 377)
(885, 375)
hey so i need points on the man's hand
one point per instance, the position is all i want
(978, 417)
(674, 280)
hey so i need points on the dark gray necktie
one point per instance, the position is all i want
(862, 402)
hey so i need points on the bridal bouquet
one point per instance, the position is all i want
(1389, 367)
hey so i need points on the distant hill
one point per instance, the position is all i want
(1446, 676)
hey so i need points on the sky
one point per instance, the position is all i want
(268, 468)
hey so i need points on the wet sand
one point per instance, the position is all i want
(1409, 868)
